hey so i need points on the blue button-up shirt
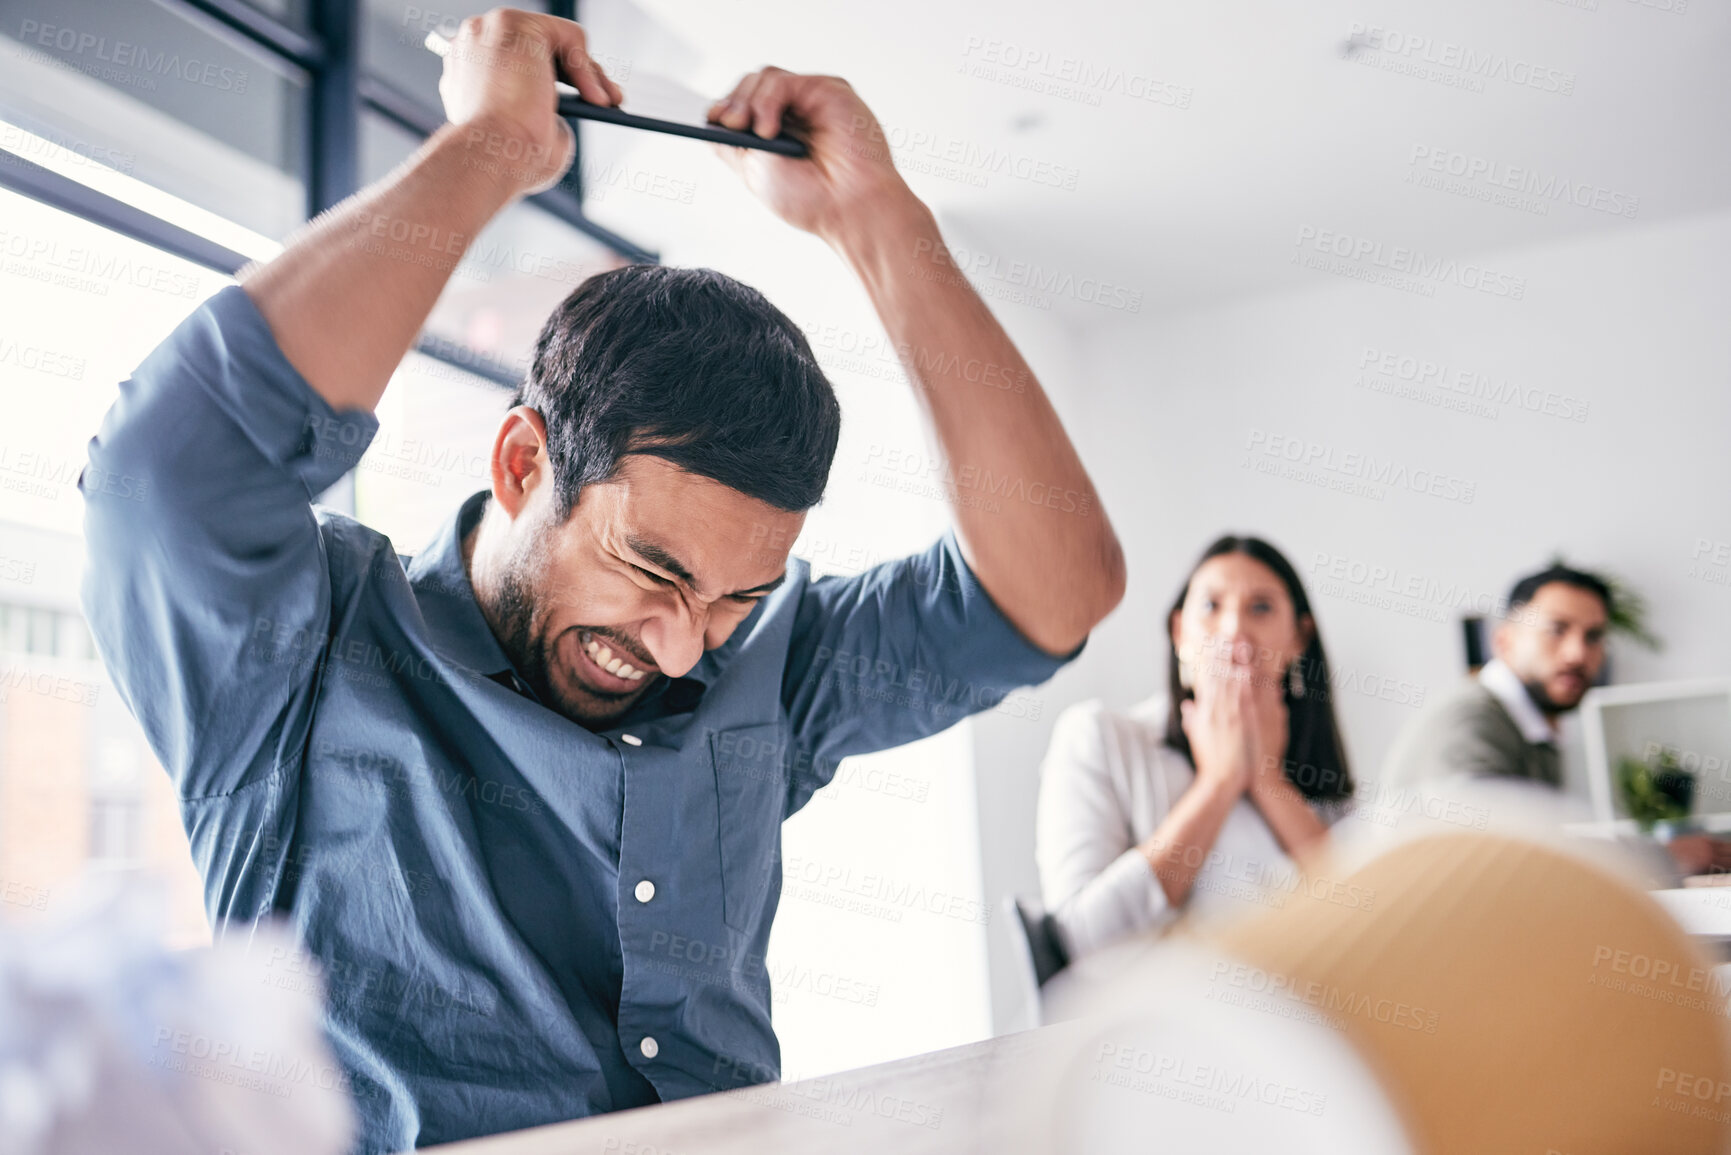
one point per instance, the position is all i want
(354, 752)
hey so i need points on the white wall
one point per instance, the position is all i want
(1163, 408)
(1634, 325)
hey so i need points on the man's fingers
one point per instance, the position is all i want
(721, 103)
(570, 54)
(531, 44)
(769, 99)
(590, 80)
(736, 109)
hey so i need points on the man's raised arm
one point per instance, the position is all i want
(1047, 555)
(209, 588)
(346, 299)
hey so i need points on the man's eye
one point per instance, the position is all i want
(652, 576)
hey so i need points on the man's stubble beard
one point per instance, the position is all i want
(514, 611)
(1547, 705)
(532, 652)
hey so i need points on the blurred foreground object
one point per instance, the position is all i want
(1486, 992)
(108, 1043)
(1512, 996)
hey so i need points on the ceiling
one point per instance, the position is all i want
(1188, 147)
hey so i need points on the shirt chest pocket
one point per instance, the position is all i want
(751, 784)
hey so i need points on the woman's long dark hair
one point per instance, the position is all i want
(1315, 755)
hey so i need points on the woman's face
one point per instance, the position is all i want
(1237, 613)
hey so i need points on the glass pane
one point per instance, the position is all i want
(436, 427)
(137, 88)
(394, 35)
(79, 787)
(288, 11)
(517, 271)
(39, 632)
(384, 145)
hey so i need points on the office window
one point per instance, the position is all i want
(292, 12)
(39, 631)
(211, 132)
(139, 88)
(394, 34)
(513, 276)
(436, 426)
(79, 788)
(115, 831)
(437, 420)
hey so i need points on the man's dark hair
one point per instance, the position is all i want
(690, 366)
(1525, 589)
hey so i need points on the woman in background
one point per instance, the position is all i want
(1206, 796)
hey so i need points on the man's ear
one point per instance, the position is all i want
(520, 462)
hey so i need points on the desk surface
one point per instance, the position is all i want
(939, 1102)
(1704, 912)
(1166, 1060)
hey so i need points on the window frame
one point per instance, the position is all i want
(339, 90)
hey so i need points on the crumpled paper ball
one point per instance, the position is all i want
(109, 1042)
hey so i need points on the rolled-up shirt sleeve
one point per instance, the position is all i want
(207, 587)
(1094, 880)
(898, 652)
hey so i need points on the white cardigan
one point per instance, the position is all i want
(1107, 782)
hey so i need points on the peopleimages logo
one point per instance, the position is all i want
(1353, 465)
(1066, 77)
(939, 154)
(1368, 254)
(1472, 63)
(1026, 277)
(1376, 582)
(1470, 383)
(92, 51)
(1524, 179)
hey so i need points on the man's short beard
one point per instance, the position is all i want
(1546, 704)
(514, 609)
(533, 654)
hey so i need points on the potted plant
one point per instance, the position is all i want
(1657, 790)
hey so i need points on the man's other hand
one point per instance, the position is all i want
(498, 85)
(1700, 854)
(849, 172)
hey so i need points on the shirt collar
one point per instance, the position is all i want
(460, 632)
(1506, 688)
(441, 584)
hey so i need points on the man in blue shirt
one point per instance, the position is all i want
(522, 799)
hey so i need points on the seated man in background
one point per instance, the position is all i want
(522, 799)
(1549, 649)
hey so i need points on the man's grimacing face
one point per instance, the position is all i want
(1555, 644)
(652, 568)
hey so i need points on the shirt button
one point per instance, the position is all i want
(649, 1047)
(645, 891)
(631, 739)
